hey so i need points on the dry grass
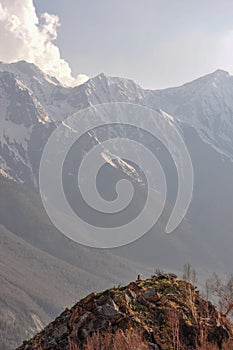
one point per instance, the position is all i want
(133, 340)
(120, 340)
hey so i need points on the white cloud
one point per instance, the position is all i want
(24, 36)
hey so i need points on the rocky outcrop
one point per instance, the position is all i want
(161, 313)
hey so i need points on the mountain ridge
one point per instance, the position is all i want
(209, 113)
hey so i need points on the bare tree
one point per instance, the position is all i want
(223, 290)
(189, 274)
(158, 272)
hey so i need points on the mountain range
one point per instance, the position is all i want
(42, 271)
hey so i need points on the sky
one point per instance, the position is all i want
(157, 43)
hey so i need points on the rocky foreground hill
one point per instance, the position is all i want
(161, 312)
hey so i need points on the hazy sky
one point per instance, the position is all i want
(157, 43)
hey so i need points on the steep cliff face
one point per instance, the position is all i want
(161, 313)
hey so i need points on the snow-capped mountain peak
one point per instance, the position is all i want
(219, 73)
(28, 72)
(205, 104)
(40, 83)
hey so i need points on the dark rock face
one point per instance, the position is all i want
(160, 313)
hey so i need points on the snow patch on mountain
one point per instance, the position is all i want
(11, 133)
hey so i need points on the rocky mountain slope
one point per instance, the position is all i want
(24, 125)
(160, 313)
